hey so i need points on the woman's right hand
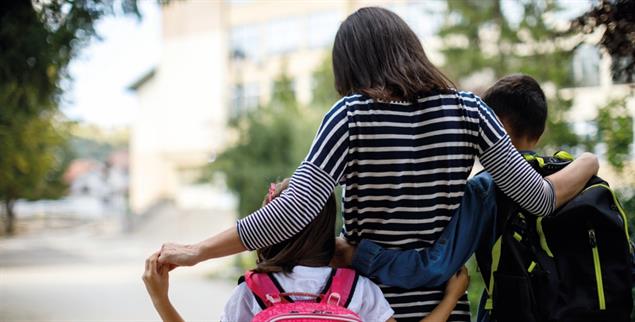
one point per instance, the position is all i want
(458, 283)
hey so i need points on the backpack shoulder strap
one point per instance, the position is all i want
(341, 286)
(265, 288)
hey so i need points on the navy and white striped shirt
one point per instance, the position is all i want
(404, 166)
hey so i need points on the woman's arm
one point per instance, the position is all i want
(309, 188)
(156, 279)
(514, 176)
(224, 244)
(457, 285)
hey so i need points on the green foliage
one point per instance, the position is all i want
(618, 22)
(324, 94)
(477, 37)
(37, 41)
(272, 141)
(615, 129)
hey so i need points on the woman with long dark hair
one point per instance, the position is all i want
(402, 141)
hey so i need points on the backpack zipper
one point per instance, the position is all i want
(598, 269)
(619, 209)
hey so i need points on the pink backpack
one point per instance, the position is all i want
(330, 305)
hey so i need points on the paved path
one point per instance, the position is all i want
(81, 274)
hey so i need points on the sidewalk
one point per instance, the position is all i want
(80, 275)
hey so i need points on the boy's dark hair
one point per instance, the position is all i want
(313, 246)
(519, 101)
(377, 54)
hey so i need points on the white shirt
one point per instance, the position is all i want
(368, 301)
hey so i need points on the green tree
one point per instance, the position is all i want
(38, 39)
(324, 94)
(478, 36)
(272, 140)
(618, 21)
(615, 129)
(271, 143)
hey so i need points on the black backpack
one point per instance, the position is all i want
(574, 265)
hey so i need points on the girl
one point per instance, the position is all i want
(300, 265)
(402, 141)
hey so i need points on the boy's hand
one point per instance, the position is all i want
(156, 279)
(344, 252)
(458, 283)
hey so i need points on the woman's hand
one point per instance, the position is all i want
(156, 279)
(223, 244)
(344, 252)
(457, 285)
(179, 255)
(569, 182)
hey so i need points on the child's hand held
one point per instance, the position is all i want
(156, 278)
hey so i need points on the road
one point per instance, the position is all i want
(86, 274)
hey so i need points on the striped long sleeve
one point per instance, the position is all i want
(512, 174)
(309, 187)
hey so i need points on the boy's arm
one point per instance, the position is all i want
(156, 279)
(433, 266)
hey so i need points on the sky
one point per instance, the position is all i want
(128, 48)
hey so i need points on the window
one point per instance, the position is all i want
(245, 42)
(283, 35)
(586, 66)
(244, 98)
(322, 29)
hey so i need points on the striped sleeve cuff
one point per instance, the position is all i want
(517, 179)
(294, 209)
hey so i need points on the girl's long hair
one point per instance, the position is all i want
(313, 246)
(375, 53)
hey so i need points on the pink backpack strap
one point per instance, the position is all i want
(266, 289)
(341, 288)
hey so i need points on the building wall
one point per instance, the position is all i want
(182, 119)
(221, 58)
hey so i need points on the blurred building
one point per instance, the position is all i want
(97, 190)
(220, 59)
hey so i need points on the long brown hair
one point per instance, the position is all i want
(377, 54)
(313, 246)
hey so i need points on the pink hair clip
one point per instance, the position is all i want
(272, 192)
